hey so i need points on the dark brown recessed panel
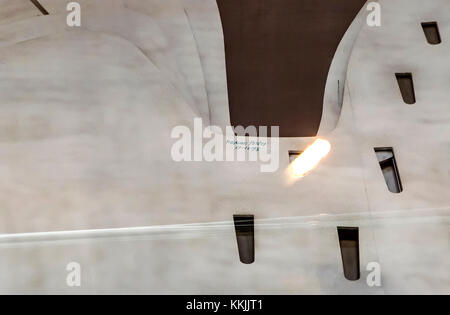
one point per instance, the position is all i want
(349, 244)
(244, 226)
(431, 31)
(278, 53)
(406, 85)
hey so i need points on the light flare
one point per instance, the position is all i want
(309, 158)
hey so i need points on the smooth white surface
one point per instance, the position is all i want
(13, 10)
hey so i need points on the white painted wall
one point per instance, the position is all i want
(85, 121)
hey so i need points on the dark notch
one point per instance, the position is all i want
(388, 166)
(349, 243)
(406, 85)
(293, 155)
(431, 31)
(39, 6)
(244, 226)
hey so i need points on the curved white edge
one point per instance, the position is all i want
(334, 89)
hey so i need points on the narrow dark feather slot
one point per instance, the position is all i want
(349, 244)
(389, 168)
(244, 226)
(406, 85)
(431, 31)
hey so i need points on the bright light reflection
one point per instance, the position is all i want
(310, 157)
